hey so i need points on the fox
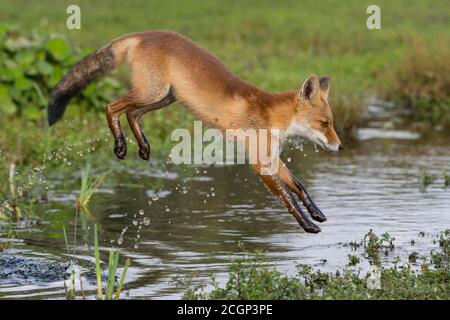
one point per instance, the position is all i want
(167, 67)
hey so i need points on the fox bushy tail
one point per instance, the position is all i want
(84, 72)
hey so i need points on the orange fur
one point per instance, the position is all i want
(162, 60)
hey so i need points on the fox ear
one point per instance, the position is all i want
(325, 83)
(310, 88)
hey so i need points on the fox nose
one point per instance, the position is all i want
(340, 147)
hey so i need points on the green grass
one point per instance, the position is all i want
(113, 263)
(89, 185)
(272, 44)
(251, 277)
(112, 272)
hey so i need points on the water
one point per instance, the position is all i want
(172, 222)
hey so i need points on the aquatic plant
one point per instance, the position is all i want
(11, 202)
(251, 277)
(353, 260)
(446, 180)
(88, 187)
(71, 291)
(112, 272)
(374, 245)
(425, 180)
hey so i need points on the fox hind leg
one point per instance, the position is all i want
(133, 117)
(113, 112)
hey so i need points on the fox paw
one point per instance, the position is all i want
(144, 153)
(317, 215)
(120, 149)
(311, 228)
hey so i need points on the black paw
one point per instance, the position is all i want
(120, 149)
(317, 215)
(311, 228)
(144, 153)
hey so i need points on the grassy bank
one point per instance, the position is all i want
(416, 277)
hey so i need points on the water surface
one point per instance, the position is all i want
(198, 215)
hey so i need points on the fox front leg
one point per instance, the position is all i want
(297, 187)
(315, 212)
(275, 184)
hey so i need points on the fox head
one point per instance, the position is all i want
(313, 117)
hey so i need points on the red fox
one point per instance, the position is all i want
(168, 67)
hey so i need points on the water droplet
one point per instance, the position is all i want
(120, 240)
(141, 212)
(146, 221)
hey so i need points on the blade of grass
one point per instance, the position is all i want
(112, 268)
(65, 240)
(97, 265)
(122, 279)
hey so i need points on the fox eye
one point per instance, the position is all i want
(324, 124)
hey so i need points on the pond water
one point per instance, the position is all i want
(196, 216)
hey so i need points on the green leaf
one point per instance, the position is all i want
(6, 104)
(6, 74)
(23, 83)
(58, 48)
(56, 75)
(10, 64)
(3, 29)
(31, 113)
(16, 44)
(44, 67)
(31, 71)
(25, 58)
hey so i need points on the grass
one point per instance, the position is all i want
(106, 293)
(274, 45)
(88, 187)
(251, 277)
(421, 82)
(112, 272)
